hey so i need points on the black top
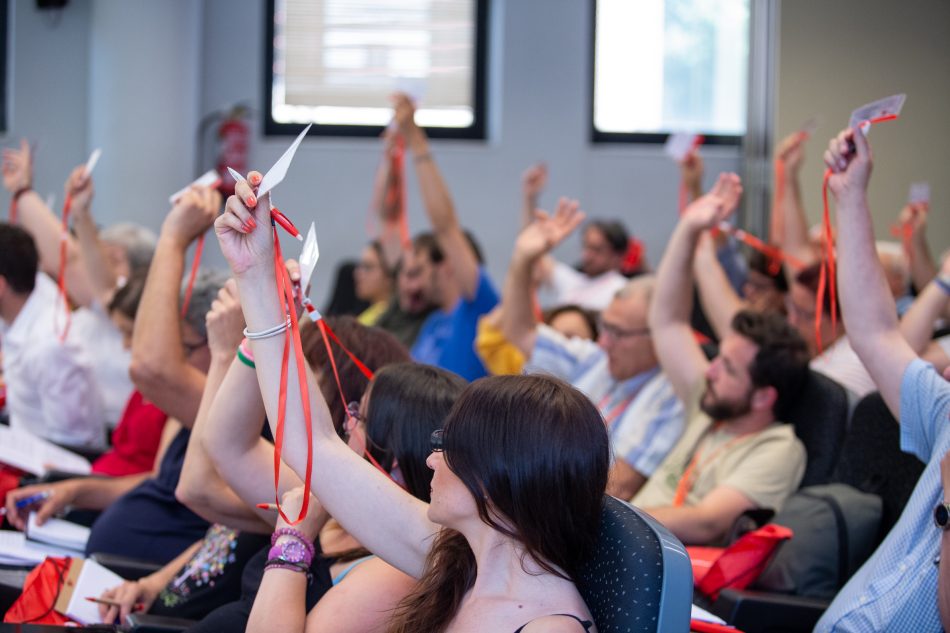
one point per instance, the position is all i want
(584, 623)
(148, 522)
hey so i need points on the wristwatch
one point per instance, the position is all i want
(290, 550)
(942, 515)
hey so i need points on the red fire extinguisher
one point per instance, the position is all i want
(234, 137)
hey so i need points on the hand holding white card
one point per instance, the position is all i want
(208, 179)
(93, 159)
(919, 193)
(882, 107)
(308, 257)
(679, 144)
(275, 175)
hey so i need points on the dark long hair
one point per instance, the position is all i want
(407, 402)
(533, 452)
(374, 347)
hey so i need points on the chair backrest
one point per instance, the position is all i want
(639, 579)
(820, 418)
(872, 460)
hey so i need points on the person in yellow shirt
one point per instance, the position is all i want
(374, 279)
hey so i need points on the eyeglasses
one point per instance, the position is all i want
(616, 332)
(435, 441)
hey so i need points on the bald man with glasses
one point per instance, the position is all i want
(619, 372)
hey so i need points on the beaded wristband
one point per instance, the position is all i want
(297, 534)
(277, 563)
(943, 282)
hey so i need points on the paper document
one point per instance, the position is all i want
(58, 533)
(275, 175)
(37, 456)
(15, 549)
(86, 579)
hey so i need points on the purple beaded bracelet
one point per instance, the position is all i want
(297, 534)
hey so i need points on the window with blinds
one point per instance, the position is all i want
(662, 66)
(335, 63)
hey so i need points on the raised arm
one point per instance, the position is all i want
(922, 266)
(200, 486)
(536, 240)
(789, 227)
(680, 356)
(102, 278)
(533, 181)
(43, 225)
(691, 171)
(917, 324)
(437, 201)
(716, 294)
(160, 367)
(354, 492)
(867, 306)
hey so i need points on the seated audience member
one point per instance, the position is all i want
(491, 514)
(393, 424)
(445, 266)
(501, 357)
(95, 267)
(375, 281)
(410, 307)
(598, 277)
(229, 423)
(905, 585)
(734, 455)
(51, 388)
(136, 439)
(619, 372)
(170, 357)
(343, 299)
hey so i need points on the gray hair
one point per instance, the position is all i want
(137, 241)
(204, 292)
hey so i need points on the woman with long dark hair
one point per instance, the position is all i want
(517, 491)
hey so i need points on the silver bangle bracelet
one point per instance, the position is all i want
(269, 332)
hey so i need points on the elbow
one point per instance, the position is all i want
(189, 494)
(149, 377)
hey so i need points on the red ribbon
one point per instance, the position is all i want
(774, 254)
(196, 262)
(61, 275)
(827, 277)
(291, 340)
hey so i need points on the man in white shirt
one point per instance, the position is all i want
(51, 390)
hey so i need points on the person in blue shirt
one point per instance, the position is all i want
(904, 581)
(444, 266)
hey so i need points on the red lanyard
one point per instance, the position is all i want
(196, 262)
(827, 276)
(688, 480)
(61, 275)
(611, 414)
(291, 339)
(774, 254)
(327, 333)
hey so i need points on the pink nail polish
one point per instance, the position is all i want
(251, 201)
(251, 222)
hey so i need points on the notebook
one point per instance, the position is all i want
(86, 579)
(33, 454)
(58, 533)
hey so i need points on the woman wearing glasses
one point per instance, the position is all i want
(517, 486)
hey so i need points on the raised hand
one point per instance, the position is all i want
(850, 168)
(225, 321)
(914, 215)
(244, 229)
(80, 191)
(404, 113)
(717, 205)
(791, 151)
(691, 169)
(291, 502)
(192, 215)
(534, 180)
(17, 168)
(546, 231)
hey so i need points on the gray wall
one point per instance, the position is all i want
(835, 56)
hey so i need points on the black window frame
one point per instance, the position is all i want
(645, 138)
(477, 131)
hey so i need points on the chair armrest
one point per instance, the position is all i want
(145, 623)
(127, 567)
(762, 612)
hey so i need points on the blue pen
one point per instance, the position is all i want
(28, 501)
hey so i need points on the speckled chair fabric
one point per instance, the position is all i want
(639, 580)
